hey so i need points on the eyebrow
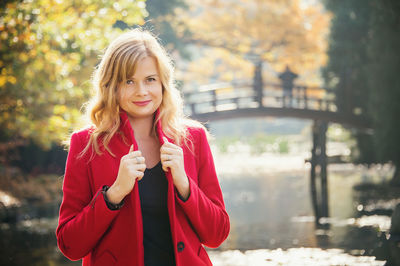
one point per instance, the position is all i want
(152, 75)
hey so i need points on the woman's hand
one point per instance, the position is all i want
(132, 167)
(172, 158)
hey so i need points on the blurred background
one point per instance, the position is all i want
(302, 98)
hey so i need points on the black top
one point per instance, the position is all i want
(157, 240)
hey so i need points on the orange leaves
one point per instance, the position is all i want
(7, 76)
(280, 32)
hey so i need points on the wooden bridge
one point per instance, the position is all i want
(241, 99)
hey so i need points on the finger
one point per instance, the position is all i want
(139, 175)
(136, 167)
(139, 159)
(167, 157)
(134, 154)
(165, 168)
(131, 149)
(168, 150)
(136, 161)
(166, 165)
(141, 167)
(169, 144)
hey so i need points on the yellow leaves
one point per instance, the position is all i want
(219, 64)
(23, 57)
(6, 75)
(52, 46)
(51, 56)
(280, 32)
(12, 79)
(59, 109)
(3, 81)
(4, 35)
(243, 48)
(57, 122)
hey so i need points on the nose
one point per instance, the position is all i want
(141, 89)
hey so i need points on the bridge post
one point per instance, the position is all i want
(324, 175)
(319, 194)
(214, 100)
(313, 185)
(305, 97)
(258, 83)
(193, 108)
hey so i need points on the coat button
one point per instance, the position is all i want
(180, 246)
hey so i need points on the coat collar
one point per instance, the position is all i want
(128, 131)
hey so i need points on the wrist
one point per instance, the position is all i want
(183, 188)
(114, 194)
(110, 205)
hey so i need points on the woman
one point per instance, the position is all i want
(140, 186)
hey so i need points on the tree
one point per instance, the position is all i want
(363, 70)
(384, 81)
(160, 20)
(47, 53)
(347, 70)
(239, 33)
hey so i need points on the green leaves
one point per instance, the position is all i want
(47, 54)
(364, 61)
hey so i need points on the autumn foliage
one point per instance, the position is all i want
(47, 53)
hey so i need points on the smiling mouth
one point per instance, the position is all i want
(142, 103)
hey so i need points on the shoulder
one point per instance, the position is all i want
(196, 131)
(81, 137)
(84, 132)
(199, 138)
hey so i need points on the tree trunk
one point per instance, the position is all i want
(396, 176)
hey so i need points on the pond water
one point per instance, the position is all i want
(275, 212)
(272, 222)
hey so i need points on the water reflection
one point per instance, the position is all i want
(261, 211)
(274, 211)
(292, 256)
(27, 236)
(271, 214)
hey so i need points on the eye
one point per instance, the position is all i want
(129, 82)
(151, 79)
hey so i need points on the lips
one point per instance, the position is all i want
(142, 103)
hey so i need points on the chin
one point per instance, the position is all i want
(141, 114)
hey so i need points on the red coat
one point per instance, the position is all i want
(88, 229)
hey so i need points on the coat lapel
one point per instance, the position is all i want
(128, 131)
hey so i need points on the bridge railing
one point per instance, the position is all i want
(240, 95)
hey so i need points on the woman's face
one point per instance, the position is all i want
(141, 95)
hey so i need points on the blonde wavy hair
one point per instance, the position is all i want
(119, 64)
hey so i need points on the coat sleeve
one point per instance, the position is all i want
(84, 216)
(205, 206)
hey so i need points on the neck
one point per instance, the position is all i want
(142, 127)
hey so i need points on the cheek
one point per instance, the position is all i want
(158, 92)
(125, 93)
(123, 97)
